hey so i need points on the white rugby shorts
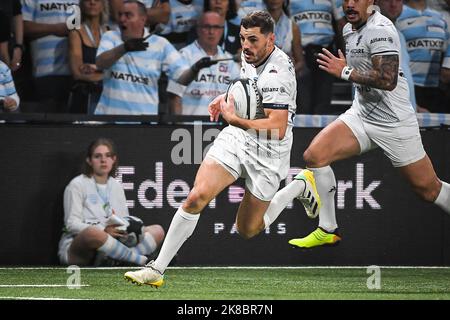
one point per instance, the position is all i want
(401, 143)
(263, 163)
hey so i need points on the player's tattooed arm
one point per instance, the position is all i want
(383, 75)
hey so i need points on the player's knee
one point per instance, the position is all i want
(196, 201)
(312, 158)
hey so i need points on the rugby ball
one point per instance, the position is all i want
(247, 99)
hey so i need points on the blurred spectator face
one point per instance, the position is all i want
(131, 21)
(219, 6)
(274, 4)
(210, 29)
(256, 46)
(391, 8)
(92, 8)
(357, 11)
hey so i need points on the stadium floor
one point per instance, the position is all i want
(230, 283)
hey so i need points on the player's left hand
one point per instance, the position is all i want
(330, 63)
(214, 108)
(227, 109)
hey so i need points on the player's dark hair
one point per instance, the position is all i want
(86, 169)
(261, 19)
(141, 7)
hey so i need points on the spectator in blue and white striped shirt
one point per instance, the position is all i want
(9, 100)
(211, 78)
(427, 36)
(132, 63)
(45, 24)
(317, 21)
(183, 18)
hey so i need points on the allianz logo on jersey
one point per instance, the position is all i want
(388, 39)
(314, 16)
(430, 44)
(56, 6)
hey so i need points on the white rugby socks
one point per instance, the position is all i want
(443, 199)
(326, 187)
(180, 229)
(117, 250)
(281, 200)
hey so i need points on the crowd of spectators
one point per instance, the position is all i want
(136, 57)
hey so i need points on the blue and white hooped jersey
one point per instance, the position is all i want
(427, 38)
(49, 53)
(7, 88)
(315, 20)
(248, 6)
(276, 81)
(130, 86)
(283, 34)
(182, 16)
(209, 83)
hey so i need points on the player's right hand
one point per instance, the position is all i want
(214, 108)
(135, 44)
(114, 232)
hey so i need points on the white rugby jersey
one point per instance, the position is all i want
(84, 203)
(209, 83)
(276, 82)
(49, 53)
(377, 37)
(130, 85)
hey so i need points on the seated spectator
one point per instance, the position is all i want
(133, 61)
(9, 100)
(183, 18)
(212, 77)
(287, 33)
(91, 201)
(317, 22)
(427, 35)
(227, 9)
(392, 10)
(45, 25)
(83, 44)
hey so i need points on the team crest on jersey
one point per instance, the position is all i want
(273, 71)
(223, 67)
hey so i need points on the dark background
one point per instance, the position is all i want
(37, 161)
